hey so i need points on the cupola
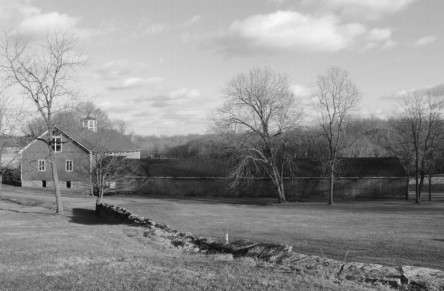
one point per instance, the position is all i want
(90, 123)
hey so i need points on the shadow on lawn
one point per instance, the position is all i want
(87, 217)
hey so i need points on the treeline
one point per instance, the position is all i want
(364, 137)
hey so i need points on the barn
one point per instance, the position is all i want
(306, 179)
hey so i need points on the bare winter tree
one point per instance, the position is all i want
(43, 71)
(258, 113)
(334, 97)
(419, 126)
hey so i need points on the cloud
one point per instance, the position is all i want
(369, 9)
(292, 31)
(287, 31)
(136, 82)
(39, 22)
(380, 38)
(29, 19)
(193, 20)
(118, 69)
(425, 41)
(437, 90)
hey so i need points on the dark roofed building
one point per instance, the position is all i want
(74, 151)
(306, 179)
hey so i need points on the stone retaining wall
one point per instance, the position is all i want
(402, 278)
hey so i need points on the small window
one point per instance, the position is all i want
(68, 184)
(69, 165)
(41, 165)
(56, 144)
(44, 183)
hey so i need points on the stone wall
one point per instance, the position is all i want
(296, 189)
(397, 278)
(76, 186)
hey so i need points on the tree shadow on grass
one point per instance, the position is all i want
(87, 217)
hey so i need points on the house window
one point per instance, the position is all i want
(56, 144)
(68, 184)
(69, 165)
(44, 183)
(41, 165)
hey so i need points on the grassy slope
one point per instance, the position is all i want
(40, 251)
(388, 233)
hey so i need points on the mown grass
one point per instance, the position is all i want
(391, 233)
(41, 251)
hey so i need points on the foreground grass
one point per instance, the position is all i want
(41, 251)
(388, 233)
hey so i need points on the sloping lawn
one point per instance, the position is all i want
(41, 251)
(388, 233)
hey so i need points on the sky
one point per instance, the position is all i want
(161, 65)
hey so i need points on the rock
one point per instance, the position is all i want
(239, 246)
(268, 252)
(423, 278)
(371, 273)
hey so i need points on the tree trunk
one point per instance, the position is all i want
(408, 184)
(332, 183)
(418, 200)
(278, 184)
(430, 186)
(55, 179)
(421, 184)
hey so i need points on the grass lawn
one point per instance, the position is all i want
(389, 233)
(41, 251)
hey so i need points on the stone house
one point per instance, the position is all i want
(75, 150)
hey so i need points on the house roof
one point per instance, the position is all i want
(104, 140)
(300, 168)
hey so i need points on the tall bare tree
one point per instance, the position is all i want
(419, 126)
(43, 71)
(334, 97)
(258, 113)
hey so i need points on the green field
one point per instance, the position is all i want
(389, 233)
(42, 251)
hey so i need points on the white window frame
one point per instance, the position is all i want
(55, 144)
(69, 165)
(41, 165)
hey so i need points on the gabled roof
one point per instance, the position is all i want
(104, 140)
(300, 168)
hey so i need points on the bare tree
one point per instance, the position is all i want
(43, 70)
(334, 97)
(419, 126)
(258, 113)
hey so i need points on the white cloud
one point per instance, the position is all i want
(26, 18)
(368, 8)
(137, 82)
(193, 20)
(425, 41)
(38, 22)
(380, 38)
(289, 30)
